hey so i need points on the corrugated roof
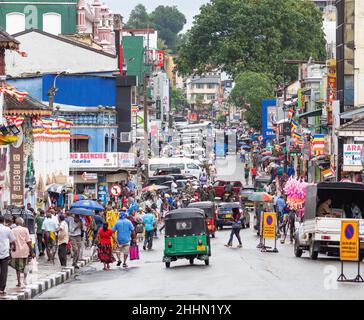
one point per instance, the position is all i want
(29, 106)
(7, 41)
(354, 125)
(207, 80)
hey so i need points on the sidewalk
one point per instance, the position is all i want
(45, 276)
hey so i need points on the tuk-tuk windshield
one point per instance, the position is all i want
(185, 227)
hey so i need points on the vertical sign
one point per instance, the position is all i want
(349, 240)
(154, 137)
(269, 225)
(160, 59)
(220, 143)
(17, 175)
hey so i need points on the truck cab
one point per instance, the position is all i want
(319, 231)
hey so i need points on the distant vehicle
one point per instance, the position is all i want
(220, 185)
(225, 211)
(211, 214)
(167, 170)
(187, 166)
(158, 180)
(244, 198)
(260, 182)
(321, 234)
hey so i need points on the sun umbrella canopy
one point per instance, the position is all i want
(87, 204)
(81, 212)
(260, 197)
(154, 188)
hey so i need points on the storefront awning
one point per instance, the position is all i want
(79, 137)
(314, 113)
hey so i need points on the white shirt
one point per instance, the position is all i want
(6, 236)
(174, 187)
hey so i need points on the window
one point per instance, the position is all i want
(211, 85)
(154, 167)
(210, 97)
(106, 143)
(199, 85)
(178, 165)
(112, 143)
(52, 23)
(192, 166)
(79, 145)
(15, 22)
(183, 225)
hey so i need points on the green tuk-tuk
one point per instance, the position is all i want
(186, 236)
(260, 182)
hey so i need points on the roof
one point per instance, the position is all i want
(66, 40)
(341, 185)
(209, 79)
(350, 113)
(354, 125)
(185, 213)
(7, 41)
(201, 204)
(29, 106)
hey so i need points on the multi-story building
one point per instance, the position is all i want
(204, 91)
(90, 22)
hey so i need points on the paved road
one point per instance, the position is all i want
(233, 273)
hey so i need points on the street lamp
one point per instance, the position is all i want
(52, 91)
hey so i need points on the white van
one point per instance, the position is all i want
(187, 166)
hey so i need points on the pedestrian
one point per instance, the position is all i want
(149, 223)
(125, 232)
(103, 240)
(75, 234)
(212, 193)
(49, 228)
(235, 230)
(111, 218)
(19, 257)
(39, 222)
(203, 178)
(98, 224)
(174, 186)
(7, 241)
(246, 174)
(63, 238)
(204, 194)
(253, 172)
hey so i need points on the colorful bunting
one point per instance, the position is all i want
(12, 91)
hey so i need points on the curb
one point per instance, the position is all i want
(34, 289)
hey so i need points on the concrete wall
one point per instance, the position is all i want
(48, 54)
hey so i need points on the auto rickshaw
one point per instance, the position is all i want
(211, 212)
(186, 236)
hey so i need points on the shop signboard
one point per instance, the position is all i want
(16, 175)
(352, 154)
(97, 160)
(103, 193)
(269, 118)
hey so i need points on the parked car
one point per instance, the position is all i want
(220, 185)
(225, 211)
(158, 180)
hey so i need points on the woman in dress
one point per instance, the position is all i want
(23, 243)
(103, 240)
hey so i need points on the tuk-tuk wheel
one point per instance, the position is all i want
(168, 264)
(207, 262)
(191, 260)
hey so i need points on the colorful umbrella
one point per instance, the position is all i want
(266, 153)
(87, 204)
(260, 197)
(81, 212)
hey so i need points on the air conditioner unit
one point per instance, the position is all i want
(125, 136)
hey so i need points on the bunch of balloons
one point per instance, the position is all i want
(295, 190)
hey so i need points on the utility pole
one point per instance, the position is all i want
(145, 94)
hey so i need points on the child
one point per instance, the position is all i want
(139, 229)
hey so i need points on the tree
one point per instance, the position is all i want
(178, 100)
(139, 18)
(251, 35)
(169, 21)
(250, 88)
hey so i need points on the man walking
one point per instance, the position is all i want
(7, 239)
(63, 238)
(149, 222)
(49, 229)
(125, 230)
(246, 174)
(39, 222)
(253, 172)
(75, 234)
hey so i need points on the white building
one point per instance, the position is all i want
(47, 53)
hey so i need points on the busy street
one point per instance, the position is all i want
(181, 150)
(233, 274)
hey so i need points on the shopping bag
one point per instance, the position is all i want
(134, 252)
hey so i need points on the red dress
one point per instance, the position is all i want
(105, 248)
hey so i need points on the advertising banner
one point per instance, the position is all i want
(269, 118)
(352, 154)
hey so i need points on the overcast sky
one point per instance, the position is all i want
(188, 7)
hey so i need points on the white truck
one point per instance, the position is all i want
(321, 234)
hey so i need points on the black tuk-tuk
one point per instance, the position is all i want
(226, 211)
(28, 217)
(186, 236)
(210, 210)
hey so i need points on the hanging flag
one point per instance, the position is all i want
(17, 120)
(12, 91)
(297, 135)
(294, 124)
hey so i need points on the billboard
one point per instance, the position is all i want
(352, 154)
(269, 118)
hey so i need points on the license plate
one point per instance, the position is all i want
(228, 216)
(201, 248)
(249, 204)
(361, 245)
